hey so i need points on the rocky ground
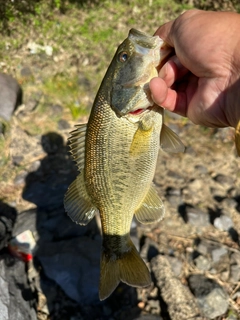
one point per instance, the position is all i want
(193, 253)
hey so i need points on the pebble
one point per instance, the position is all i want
(20, 178)
(235, 258)
(223, 223)
(176, 265)
(202, 263)
(214, 304)
(218, 254)
(10, 96)
(196, 217)
(57, 109)
(235, 273)
(223, 179)
(63, 124)
(26, 72)
(201, 169)
(212, 300)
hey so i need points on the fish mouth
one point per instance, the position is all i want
(142, 41)
(140, 111)
(137, 112)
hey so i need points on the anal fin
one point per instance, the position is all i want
(151, 209)
(77, 202)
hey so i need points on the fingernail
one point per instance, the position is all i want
(162, 73)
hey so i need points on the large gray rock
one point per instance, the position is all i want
(17, 300)
(7, 220)
(10, 96)
(74, 265)
(212, 299)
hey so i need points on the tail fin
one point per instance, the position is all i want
(129, 269)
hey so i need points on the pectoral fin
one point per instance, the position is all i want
(169, 141)
(151, 209)
(237, 138)
(77, 145)
(77, 202)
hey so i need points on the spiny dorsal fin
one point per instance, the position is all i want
(169, 141)
(152, 208)
(237, 138)
(77, 144)
(77, 202)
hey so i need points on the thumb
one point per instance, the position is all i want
(165, 33)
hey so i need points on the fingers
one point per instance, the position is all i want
(162, 92)
(164, 32)
(167, 97)
(172, 71)
(159, 90)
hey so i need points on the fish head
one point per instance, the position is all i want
(135, 63)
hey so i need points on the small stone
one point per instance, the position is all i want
(201, 169)
(196, 217)
(57, 109)
(153, 306)
(63, 124)
(214, 304)
(202, 263)
(218, 254)
(175, 175)
(229, 203)
(20, 178)
(189, 150)
(10, 96)
(223, 223)
(212, 300)
(235, 258)
(17, 160)
(174, 201)
(202, 248)
(223, 179)
(173, 191)
(26, 72)
(235, 273)
(176, 265)
(32, 101)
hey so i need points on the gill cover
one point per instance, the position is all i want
(137, 58)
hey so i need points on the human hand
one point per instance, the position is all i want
(202, 80)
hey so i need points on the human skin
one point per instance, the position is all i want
(202, 79)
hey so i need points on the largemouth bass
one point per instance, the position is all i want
(116, 154)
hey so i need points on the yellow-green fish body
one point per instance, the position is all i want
(116, 154)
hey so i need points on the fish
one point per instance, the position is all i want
(116, 155)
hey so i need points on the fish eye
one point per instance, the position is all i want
(123, 56)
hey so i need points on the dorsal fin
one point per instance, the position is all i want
(77, 202)
(77, 145)
(151, 209)
(169, 141)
